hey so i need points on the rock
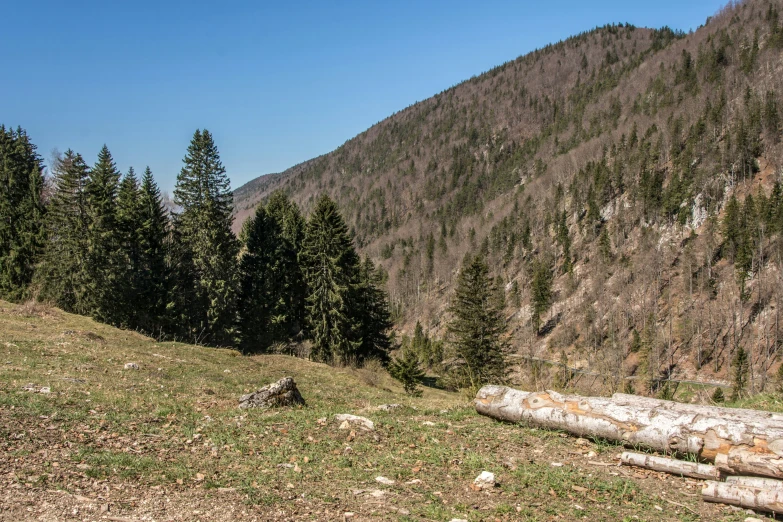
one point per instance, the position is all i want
(388, 407)
(37, 389)
(362, 422)
(345, 426)
(131, 366)
(385, 481)
(485, 480)
(428, 423)
(752, 519)
(458, 520)
(281, 393)
(582, 442)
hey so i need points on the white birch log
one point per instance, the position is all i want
(755, 482)
(673, 466)
(744, 496)
(751, 444)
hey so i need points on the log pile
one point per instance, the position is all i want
(745, 446)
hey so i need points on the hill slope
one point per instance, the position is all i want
(167, 442)
(610, 157)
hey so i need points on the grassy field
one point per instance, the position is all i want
(167, 442)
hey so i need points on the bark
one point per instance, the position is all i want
(755, 482)
(749, 442)
(744, 496)
(673, 466)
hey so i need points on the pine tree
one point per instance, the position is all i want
(371, 309)
(541, 291)
(406, 369)
(21, 212)
(477, 326)
(103, 262)
(262, 301)
(63, 275)
(152, 282)
(129, 269)
(292, 229)
(205, 253)
(741, 367)
(331, 269)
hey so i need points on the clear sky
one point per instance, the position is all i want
(276, 83)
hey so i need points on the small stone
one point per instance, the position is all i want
(345, 426)
(362, 422)
(752, 519)
(131, 366)
(414, 481)
(485, 480)
(385, 481)
(428, 423)
(458, 520)
(556, 464)
(582, 442)
(591, 454)
(45, 389)
(388, 407)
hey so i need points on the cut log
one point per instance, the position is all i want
(755, 482)
(744, 496)
(673, 466)
(751, 444)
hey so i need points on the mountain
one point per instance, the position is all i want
(639, 166)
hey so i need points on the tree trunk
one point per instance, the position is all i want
(755, 482)
(744, 496)
(673, 466)
(749, 442)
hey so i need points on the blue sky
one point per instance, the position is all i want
(277, 83)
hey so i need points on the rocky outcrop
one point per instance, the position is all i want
(281, 393)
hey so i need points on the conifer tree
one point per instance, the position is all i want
(292, 229)
(103, 261)
(331, 269)
(477, 326)
(129, 269)
(63, 275)
(21, 212)
(262, 301)
(152, 282)
(741, 366)
(406, 369)
(205, 254)
(371, 308)
(541, 291)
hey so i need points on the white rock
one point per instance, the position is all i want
(131, 366)
(485, 480)
(458, 520)
(385, 481)
(388, 407)
(428, 423)
(362, 422)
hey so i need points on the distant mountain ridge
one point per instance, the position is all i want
(610, 156)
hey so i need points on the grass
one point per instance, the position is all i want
(173, 427)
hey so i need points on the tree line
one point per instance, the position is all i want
(98, 243)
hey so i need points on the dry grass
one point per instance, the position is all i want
(167, 442)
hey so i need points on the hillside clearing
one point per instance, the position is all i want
(167, 442)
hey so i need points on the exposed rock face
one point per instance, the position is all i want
(281, 393)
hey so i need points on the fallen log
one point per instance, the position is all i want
(755, 482)
(673, 466)
(744, 496)
(748, 443)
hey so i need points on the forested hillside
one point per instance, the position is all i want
(624, 185)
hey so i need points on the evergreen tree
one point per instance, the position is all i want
(152, 282)
(477, 326)
(262, 301)
(21, 212)
(541, 291)
(331, 268)
(741, 367)
(406, 369)
(292, 229)
(63, 275)
(205, 253)
(103, 262)
(129, 269)
(371, 309)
